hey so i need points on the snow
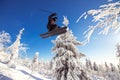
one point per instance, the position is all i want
(12, 67)
(81, 17)
(20, 73)
(106, 19)
(65, 21)
(4, 37)
(88, 34)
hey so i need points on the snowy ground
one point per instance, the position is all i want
(20, 73)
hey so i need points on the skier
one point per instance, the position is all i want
(51, 22)
(53, 28)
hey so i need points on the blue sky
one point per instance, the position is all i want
(18, 14)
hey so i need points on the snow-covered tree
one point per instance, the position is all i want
(95, 67)
(27, 62)
(16, 47)
(118, 55)
(45, 68)
(118, 50)
(112, 67)
(35, 61)
(106, 67)
(66, 63)
(88, 64)
(107, 18)
(4, 39)
(118, 66)
(23, 50)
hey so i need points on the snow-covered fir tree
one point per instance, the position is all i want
(66, 63)
(118, 55)
(106, 67)
(88, 64)
(118, 66)
(112, 67)
(44, 67)
(95, 67)
(35, 62)
(4, 39)
(15, 48)
(27, 62)
(118, 50)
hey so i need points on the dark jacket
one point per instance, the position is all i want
(51, 22)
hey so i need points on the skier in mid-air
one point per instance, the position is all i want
(53, 28)
(51, 22)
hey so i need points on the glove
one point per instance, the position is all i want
(54, 14)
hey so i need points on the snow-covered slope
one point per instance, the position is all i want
(19, 73)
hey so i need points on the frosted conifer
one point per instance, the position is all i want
(66, 62)
(112, 67)
(95, 67)
(106, 67)
(15, 48)
(4, 38)
(118, 50)
(35, 61)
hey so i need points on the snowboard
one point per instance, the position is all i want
(54, 32)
